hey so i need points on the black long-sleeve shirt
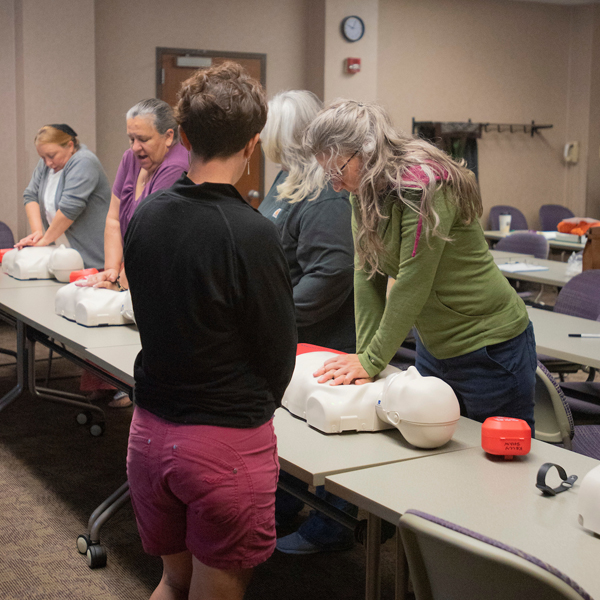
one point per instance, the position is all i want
(213, 303)
(317, 242)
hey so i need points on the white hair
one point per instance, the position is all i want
(289, 115)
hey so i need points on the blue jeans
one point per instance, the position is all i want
(318, 529)
(494, 381)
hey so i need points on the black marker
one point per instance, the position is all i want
(585, 335)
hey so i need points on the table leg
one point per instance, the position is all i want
(21, 386)
(373, 584)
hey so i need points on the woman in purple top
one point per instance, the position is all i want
(155, 161)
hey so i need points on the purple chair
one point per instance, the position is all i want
(580, 297)
(7, 239)
(557, 413)
(552, 214)
(518, 220)
(524, 243)
(449, 562)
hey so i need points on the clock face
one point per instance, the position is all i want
(353, 28)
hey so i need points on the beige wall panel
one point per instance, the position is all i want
(593, 158)
(54, 66)
(127, 34)
(507, 62)
(578, 106)
(9, 203)
(338, 84)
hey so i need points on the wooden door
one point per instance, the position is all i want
(173, 66)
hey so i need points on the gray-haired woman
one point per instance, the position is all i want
(313, 221)
(415, 215)
(154, 161)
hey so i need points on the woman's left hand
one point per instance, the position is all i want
(343, 370)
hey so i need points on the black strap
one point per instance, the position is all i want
(566, 484)
(64, 128)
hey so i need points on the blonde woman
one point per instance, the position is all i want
(314, 222)
(68, 196)
(415, 219)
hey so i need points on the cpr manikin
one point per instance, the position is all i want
(93, 307)
(42, 262)
(424, 409)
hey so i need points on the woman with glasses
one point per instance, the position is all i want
(313, 221)
(415, 214)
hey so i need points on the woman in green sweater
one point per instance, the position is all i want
(415, 219)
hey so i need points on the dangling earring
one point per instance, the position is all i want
(248, 163)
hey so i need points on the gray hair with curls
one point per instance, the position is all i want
(347, 128)
(163, 116)
(289, 115)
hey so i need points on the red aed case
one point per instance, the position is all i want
(3, 252)
(506, 436)
(81, 274)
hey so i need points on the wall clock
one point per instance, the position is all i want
(353, 28)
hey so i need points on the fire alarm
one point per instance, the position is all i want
(352, 65)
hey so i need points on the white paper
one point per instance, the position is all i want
(520, 267)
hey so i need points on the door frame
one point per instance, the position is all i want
(216, 54)
(209, 54)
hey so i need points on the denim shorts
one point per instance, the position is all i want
(206, 489)
(493, 381)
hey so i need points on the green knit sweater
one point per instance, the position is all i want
(451, 291)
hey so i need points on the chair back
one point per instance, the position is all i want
(552, 214)
(553, 419)
(524, 243)
(580, 297)
(518, 220)
(7, 239)
(449, 562)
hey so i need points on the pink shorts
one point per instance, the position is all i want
(207, 489)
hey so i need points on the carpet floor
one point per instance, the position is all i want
(53, 474)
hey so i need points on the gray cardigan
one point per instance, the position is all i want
(82, 195)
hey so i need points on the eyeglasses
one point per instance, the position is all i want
(338, 175)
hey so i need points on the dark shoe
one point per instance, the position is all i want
(296, 544)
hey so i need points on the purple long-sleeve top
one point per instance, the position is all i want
(170, 170)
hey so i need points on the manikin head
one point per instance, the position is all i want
(424, 409)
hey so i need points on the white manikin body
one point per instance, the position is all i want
(589, 501)
(424, 409)
(29, 263)
(93, 307)
(42, 262)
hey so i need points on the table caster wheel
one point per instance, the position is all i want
(96, 556)
(83, 543)
(97, 429)
(84, 417)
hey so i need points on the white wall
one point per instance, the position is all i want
(48, 57)
(488, 60)
(494, 61)
(128, 33)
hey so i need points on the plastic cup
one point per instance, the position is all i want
(505, 224)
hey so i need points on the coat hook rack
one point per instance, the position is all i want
(485, 127)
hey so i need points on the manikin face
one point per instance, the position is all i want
(345, 172)
(149, 146)
(55, 156)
